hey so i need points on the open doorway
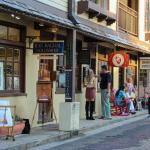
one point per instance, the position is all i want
(44, 75)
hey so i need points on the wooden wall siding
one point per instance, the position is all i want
(59, 4)
(128, 19)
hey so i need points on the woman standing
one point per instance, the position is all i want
(131, 91)
(90, 95)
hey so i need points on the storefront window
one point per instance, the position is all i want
(9, 69)
(100, 63)
(9, 33)
(61, 72)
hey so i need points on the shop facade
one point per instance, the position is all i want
(21, 69)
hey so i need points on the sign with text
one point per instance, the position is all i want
(145, 63)
(48, 47)
(68, 87)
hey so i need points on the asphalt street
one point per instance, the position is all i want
(134, 136)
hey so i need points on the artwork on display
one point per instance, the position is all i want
(44, 91)
(62, 80)
(1, 76)
(6, 119)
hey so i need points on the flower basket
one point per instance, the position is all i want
(17, 129)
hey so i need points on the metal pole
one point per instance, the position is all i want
(73, 65)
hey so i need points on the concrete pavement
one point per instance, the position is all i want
(49, 134)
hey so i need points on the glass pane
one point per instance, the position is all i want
(13, 34)
(2, 54)
(9, 54)
(16, 55)
(3, 32)
(9, 69)
(16, 83)
(9, 85)
(16, 69)
(1, 75)
(61, 80)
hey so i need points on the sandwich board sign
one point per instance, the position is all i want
(6, 119)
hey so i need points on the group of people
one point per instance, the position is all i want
(124, 95)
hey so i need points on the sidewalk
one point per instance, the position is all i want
(49, 134)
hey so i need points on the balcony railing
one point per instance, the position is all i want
(128, 19)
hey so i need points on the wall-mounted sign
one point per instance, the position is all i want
(68, 88)
(48, 47)
(145, 63)
(84, 56)
(118, 59)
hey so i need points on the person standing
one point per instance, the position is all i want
(105, 86)
(90, 95)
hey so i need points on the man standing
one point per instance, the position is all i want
(105, 86)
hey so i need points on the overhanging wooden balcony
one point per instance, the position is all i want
(89, 7)
(94, 10)
(128, 19)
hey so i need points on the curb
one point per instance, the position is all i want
(68, 135)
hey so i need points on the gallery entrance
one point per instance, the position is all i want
(45, 79)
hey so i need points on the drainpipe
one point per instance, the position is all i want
(71, 35)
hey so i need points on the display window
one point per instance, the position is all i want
(10, 68)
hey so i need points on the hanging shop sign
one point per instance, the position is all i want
(48, 47)
(118, 59)
(145, 63)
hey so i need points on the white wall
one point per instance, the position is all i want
(141, 20)
(60, 4)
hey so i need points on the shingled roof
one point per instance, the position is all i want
(35, 9)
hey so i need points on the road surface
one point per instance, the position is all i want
(135, 136)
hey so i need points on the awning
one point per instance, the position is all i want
(117, 38)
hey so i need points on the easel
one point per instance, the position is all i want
(10, 128)
(51, 111)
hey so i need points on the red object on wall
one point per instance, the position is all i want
(118, 59)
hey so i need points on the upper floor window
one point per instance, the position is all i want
(147, 16)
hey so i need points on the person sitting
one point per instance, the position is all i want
(121, 98)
